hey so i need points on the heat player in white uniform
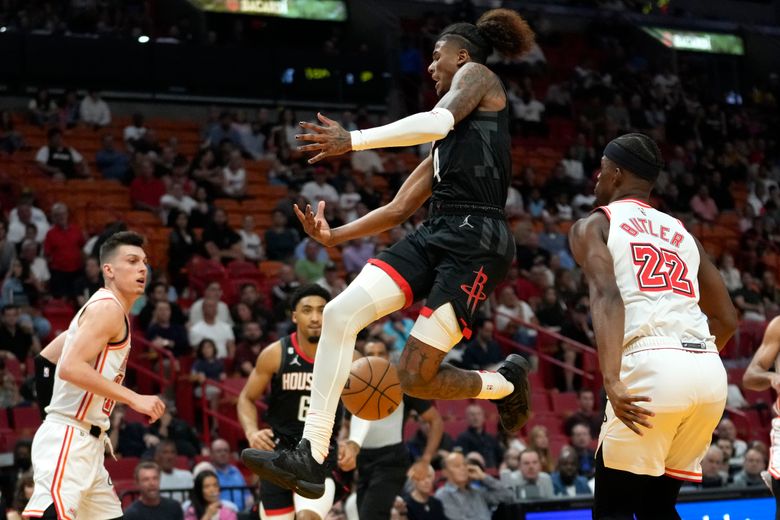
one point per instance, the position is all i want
(68, 449)
(660, 313)
(763, 373)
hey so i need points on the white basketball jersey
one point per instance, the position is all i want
(72, 401)
(656, 267)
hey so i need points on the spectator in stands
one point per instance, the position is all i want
(566, 482)
(150, 505)
(24, 214)
(58, 160)
(475, 438)
(539, 441)
(551, 312)
(748, 299)
(755, 463)
(585, 414)
(396, 331)
(320, 190)
(348, 201)
(280, 238)
(234, 176)
(482, 352)
(251, 245)
(62, 248)
(224, 131)
(9, 390)
(310, 268)
(130, 439)
(215, 330)
(205, 502)
(10, 139)
(70, 110)
(214, 293)
(248, 348)
(164, 333)
(727, 447)
(7, 250)
(578, 328)
(420, 502)
(17, 336)
(331, 280)
(29, 255)
(172, 477)
(13, 289)
(731, 275)
(175, 201)
(581, 441)
(703, 206)
(281, 292)
(94, 110)
(512, 308)
(112, 163)
(529, 481)
(416, 445)
(618, 119)
(170, 428)
(146, 190)
(356, 254)
(158, 291)
(229, 475)
(573, 167)
(22, 493)
(221, 242)
(727, 430)
(135, 131)
(43, 109)
(713, 473)
(528, 112)
(206, 172)
(254, 141)
(182, 246)
(557, 100)
(469, 493)
(88, 283)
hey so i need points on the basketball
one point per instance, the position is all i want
(373, 390)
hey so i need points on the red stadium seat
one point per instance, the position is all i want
(564, 403)
(540, 402)
(122, 469)
(26, 420)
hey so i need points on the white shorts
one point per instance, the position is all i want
(774, 449)
(688, 391)
(321, 506)
(69, 472)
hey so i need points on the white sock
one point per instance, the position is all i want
(494, 385)
(370, 296)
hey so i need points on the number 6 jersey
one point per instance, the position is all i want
(656, 265)
(288, 401)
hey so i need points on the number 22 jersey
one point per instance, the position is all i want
(656, 265)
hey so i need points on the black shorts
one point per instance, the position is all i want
(457, 259)
(44, 382)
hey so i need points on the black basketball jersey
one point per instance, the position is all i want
(288, 401)
(473, 163)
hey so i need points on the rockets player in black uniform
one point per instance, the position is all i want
(454, 260)
(287, 365)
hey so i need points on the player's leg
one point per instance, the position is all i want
(315, 509)
(776, 493)
(276, 503)
(616, 492)
(375, 499)
(658, 498)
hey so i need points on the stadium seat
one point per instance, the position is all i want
(564, 403)
(25, 419)
(540, 401)
(121, 469)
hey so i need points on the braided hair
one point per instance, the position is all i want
(501, 29)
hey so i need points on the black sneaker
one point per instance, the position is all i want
(514, 408)
(293, 469)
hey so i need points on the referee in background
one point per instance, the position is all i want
(382, 457)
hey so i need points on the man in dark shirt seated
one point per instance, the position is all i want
(16, 338)
(150, 505)
(586, 414)
(475, 438)
(482, 352)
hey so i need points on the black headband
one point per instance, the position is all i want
(625, 158)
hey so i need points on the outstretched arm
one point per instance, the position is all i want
(469, 86)
(412, 194)
(759, 374)
(715, 301)
(588, 240)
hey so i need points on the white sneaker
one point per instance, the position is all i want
(767, 478)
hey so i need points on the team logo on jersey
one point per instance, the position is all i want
(295, 361)
(466, 222)
(475, 291)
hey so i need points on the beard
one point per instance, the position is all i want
(313, 339)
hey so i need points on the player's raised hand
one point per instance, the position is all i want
(315, 225)
(149, 405)
(329, 139)
(623, 405)
(262, 440)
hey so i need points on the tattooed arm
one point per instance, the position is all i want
(470, 86)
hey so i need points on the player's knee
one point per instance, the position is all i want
(342, 314)
(307, 515)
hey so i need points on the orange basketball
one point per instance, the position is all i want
(373, 390)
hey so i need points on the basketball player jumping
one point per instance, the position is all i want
(68, 449)
(287, 365)
(660, 313)
(454, 260)
(763, 373)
